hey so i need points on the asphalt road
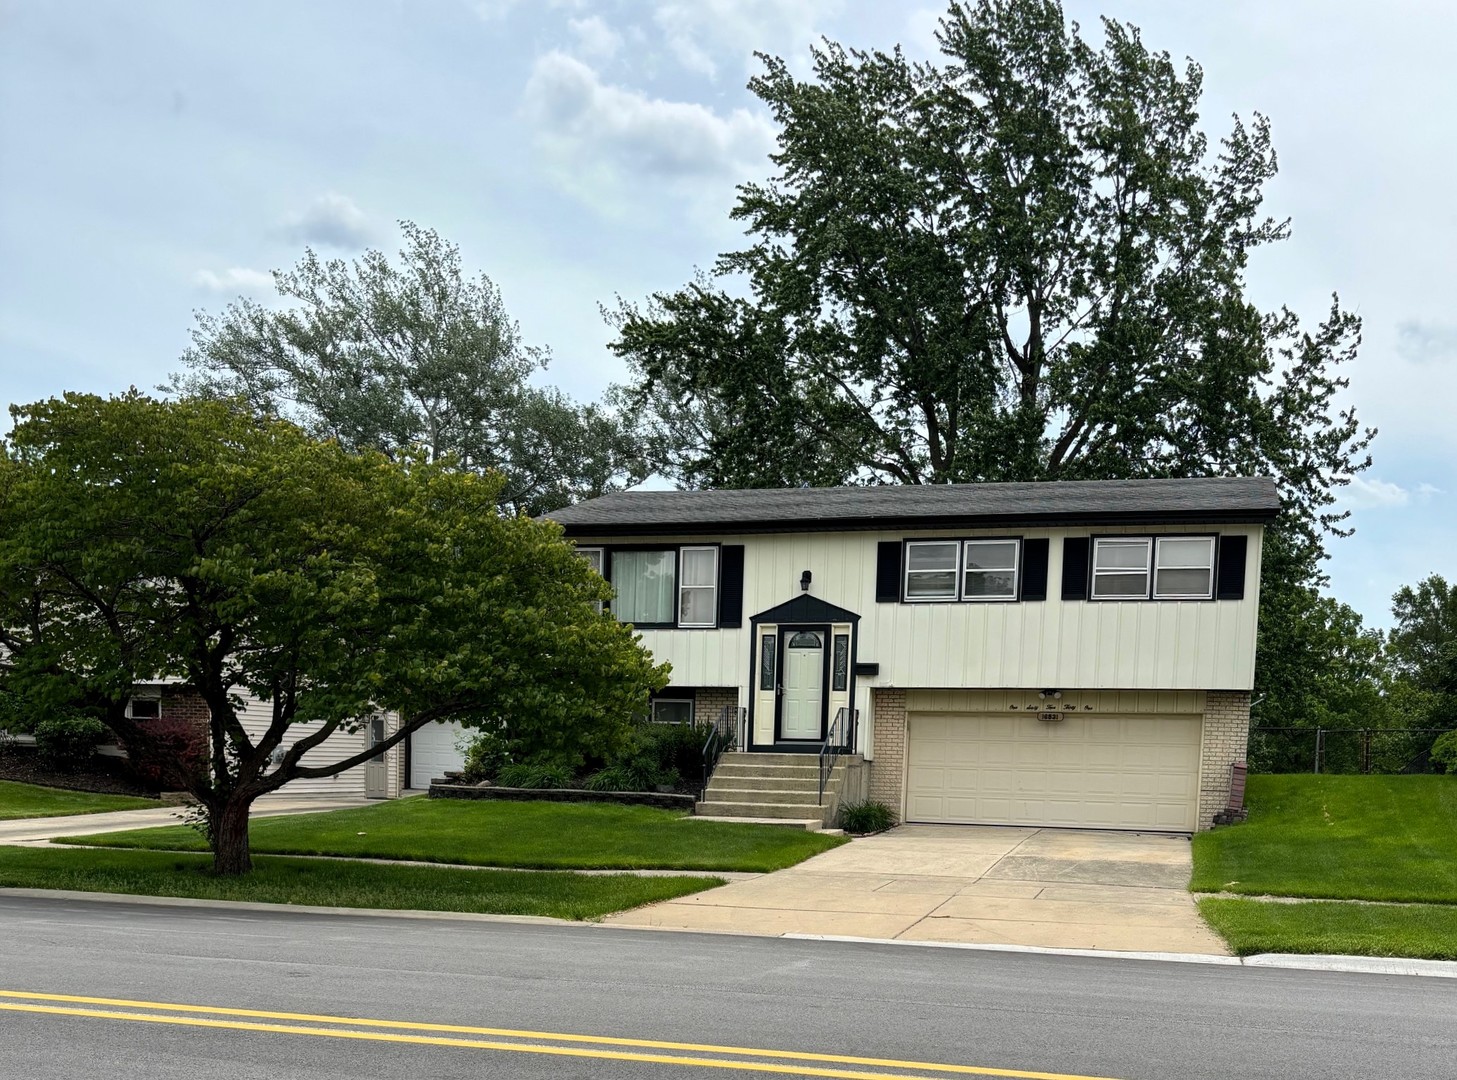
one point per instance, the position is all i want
(738, 1006)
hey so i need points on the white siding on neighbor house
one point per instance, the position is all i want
(1139, 644)
(256, 716)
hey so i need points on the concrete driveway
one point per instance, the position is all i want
(1061, 888)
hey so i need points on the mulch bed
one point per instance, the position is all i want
(105, 776)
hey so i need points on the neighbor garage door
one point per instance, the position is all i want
(433, 753)
(1111, 772)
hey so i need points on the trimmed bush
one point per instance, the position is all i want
(865, 817)
(485, 756)
(66, 743)
(535, 774)
(1444, 751)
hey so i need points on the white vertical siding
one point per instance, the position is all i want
(256, 716)
(1165, 644)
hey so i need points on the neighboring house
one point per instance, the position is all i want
(1072, 654)
(377, 779)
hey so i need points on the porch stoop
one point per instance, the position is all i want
(782, 788)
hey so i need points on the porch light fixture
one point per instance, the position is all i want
(1045, 694)
(804, 580)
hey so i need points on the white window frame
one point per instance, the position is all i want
(131, 703)
(1016, 569)
(1121, 571)
(601, 567)
(712, 590)
(653, 705)
(906, 573)
(1158, 565)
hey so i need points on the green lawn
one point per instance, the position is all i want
(30, 801)
(342, 884)
(1338, 837)
(1422, 931)
(539, 835)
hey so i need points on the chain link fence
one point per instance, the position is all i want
(1342, 750)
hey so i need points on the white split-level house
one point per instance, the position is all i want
(1064, 654)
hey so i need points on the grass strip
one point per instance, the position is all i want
(530, 835)
(1418, 931)
(341, 884)
(1338, 837)
(19, 800)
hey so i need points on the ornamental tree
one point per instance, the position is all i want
(196, 541)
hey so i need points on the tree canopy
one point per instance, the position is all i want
(389, 357)
(193, 541)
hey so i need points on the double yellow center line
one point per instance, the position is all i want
(605, 1048)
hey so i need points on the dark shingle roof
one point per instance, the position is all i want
(1208, 501)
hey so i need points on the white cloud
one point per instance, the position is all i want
(1368, 492)
(332, 220)
(595, 39)
(703, 33)
(590, 127)
(235, 279)
(1426, 342)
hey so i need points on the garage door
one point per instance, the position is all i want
(433, 753)
(1111, 772)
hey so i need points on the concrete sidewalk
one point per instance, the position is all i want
(23, 830)
(1053, 888)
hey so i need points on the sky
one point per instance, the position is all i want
(160, 157)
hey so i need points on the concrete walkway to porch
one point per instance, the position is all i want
(1058, 888)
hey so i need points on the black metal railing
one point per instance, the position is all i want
(723, 735)
(1342, 750)
(839, 740)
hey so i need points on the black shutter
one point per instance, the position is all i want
(1230, 583)
(888, 572)
(1075, 556)
(731, 585)
(1034, 569)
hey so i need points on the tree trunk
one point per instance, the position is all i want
(230, 855)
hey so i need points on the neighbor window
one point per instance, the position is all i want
(1120, 568)
(931, 569)
(1184, 568)
(646, 586)
(698, 589)
(672, 711)
(144, 708)
(990, 570)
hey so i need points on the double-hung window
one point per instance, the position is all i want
(1184, 568)
(1164, 568)
(1120, 567)
(931, 569)
(989, 570)
(698, 590)
(962, 569)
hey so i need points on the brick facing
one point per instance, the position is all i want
(708, 703)
(887, 770)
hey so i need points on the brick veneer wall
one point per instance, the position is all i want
(708, 703)
(1225, 741)
(186, 705)
(888, 708)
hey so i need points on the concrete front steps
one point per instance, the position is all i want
(780, 789)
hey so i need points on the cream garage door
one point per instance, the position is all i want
(1090, 771)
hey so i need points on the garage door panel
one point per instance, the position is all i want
(1089, 771)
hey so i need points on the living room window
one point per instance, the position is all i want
(647, 586)
(931, 567)
(990, 570)
(594, 559)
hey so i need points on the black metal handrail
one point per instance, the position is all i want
(840, 739)
(723, 735)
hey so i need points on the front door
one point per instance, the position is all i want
(376, 770)
(802, 684)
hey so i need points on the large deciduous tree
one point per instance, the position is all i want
(388, 357)
(1024, 262)
(194, 541)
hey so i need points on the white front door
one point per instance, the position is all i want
(802, 688)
